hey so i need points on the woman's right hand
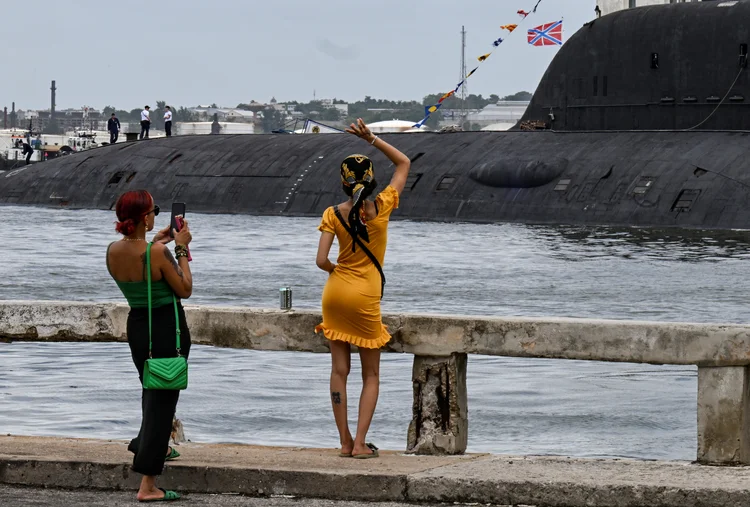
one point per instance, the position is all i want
(183, 237)
(361, 130)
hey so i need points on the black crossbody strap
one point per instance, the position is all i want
(364, 249)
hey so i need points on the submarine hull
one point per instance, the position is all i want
(665, 179)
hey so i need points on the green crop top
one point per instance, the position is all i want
(137, 292)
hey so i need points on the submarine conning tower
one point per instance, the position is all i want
(661, 67)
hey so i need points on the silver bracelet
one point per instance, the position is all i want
(373, 140)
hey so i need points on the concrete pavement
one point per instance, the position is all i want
(40, 497)
(394, 477)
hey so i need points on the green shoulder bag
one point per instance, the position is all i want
(169, 372)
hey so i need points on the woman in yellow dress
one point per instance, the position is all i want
(351, 298)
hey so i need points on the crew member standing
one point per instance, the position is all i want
(145, 121)
(113, 125)
(168, 121)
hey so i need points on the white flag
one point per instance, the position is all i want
(313, 127)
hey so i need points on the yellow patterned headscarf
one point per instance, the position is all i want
(357, 172)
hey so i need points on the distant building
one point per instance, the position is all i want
(66, 119)
(500, 116)
(609, 6)
(223, 114)
(330, 104)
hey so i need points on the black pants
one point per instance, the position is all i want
(113, 137)
(158, 407)
(168, 128)
(28, 156)
(145, 126)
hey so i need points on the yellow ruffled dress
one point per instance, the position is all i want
(351, 298)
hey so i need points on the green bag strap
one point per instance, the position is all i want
(176, 323)
(174, 301)
(148, 277)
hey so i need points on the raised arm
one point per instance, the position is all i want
(401, 161)
(177, 274)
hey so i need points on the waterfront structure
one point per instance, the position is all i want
(441, 345)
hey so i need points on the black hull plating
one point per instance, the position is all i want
(669, 179)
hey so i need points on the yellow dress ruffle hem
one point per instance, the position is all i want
(358, 341)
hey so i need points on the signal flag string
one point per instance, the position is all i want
(495, 44)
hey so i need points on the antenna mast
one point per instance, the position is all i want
(463, 75)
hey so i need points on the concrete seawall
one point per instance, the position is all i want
(320, 473)
(441, 345)
(714, 345)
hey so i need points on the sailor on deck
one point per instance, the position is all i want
(145, 121)
(113, 125)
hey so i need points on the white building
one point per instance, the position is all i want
(500, 116)
(197, 128)
(609, 6)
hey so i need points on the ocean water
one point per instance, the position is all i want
(523, 406)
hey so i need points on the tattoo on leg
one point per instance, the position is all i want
(336, 397)
(172, 260)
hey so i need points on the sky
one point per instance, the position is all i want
(190, 52)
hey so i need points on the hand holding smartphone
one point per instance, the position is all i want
(178, 213)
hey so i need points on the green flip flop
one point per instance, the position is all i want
(373, 454)
(173, 454)
(169, 496)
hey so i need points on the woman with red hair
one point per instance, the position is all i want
(170, 278)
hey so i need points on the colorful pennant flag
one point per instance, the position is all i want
(545, 35)
(549, 34)
(446, 96)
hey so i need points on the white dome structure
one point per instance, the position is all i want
(391, 126)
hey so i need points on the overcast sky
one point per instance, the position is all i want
(189, 52)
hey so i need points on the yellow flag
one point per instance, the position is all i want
(484, 57)
(510, 28)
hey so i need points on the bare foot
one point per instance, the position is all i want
(347, 447)
(150, 494)
(360, 449)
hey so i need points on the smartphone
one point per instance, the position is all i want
(178, 209)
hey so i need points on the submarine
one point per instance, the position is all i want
(641, 119)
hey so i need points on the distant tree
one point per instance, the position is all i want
(522, 96)
(271, 120)
(214, 105)
(184, 114)
(329, 114)
(252, 106)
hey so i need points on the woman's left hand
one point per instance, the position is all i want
(163, 236)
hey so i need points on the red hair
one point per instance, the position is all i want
(131, 208)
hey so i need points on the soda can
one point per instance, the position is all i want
(285, 298)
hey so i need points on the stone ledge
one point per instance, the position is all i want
(320, 473)
(424, 335)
